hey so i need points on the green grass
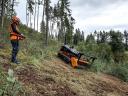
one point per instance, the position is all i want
(105, 60)
(35, 55)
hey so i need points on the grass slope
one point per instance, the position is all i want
(52, 77)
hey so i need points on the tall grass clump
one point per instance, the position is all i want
(10, 85)
(120, 71)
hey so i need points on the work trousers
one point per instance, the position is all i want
(15, 49)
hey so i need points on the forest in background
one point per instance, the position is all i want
(110, 48)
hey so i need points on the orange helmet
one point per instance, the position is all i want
(15, 19)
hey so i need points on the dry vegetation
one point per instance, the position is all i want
(55, 78)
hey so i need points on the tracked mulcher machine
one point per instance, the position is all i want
(75, 58)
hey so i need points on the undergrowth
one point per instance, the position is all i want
(105, 62)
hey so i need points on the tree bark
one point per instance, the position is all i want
(35, 17)
(47, 21)
(43, 10)
(27, 14)
(2, 14)
(30, 20)
(38, 14)
(12, 8)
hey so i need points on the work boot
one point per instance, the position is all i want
(16, 62)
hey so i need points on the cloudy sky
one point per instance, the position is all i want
(91, 15)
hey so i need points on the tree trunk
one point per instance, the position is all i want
(65, 39)
(44, 30)
(38, 15)
(12, 8)
(1, 3)
(43, 10)
(30, 20)
(52, 26)
(62, 33)
(35, 17)
(2, 14)
(47, 21)
(27, 14)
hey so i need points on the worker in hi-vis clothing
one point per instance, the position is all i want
(15, 36)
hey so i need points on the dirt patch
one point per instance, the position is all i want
(55, 90)
(4, 57)
(63, 91)
(43, 85)
(102, 85)
(114, 83)
(27, 74)
(6, 66)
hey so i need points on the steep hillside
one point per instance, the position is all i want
(52, 77)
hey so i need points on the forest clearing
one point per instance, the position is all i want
(43, 47)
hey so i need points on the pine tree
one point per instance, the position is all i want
(30, 8)
(38, 11)
(35, 4)
(47, 20)
(117, 46)
(77, 36)
(43, 31)
(126, 39)
(65, 21)
(90, 39)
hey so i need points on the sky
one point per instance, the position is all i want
(91, 15)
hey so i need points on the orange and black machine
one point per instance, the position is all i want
(72, 56)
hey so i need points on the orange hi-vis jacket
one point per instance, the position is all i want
(14, 32)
